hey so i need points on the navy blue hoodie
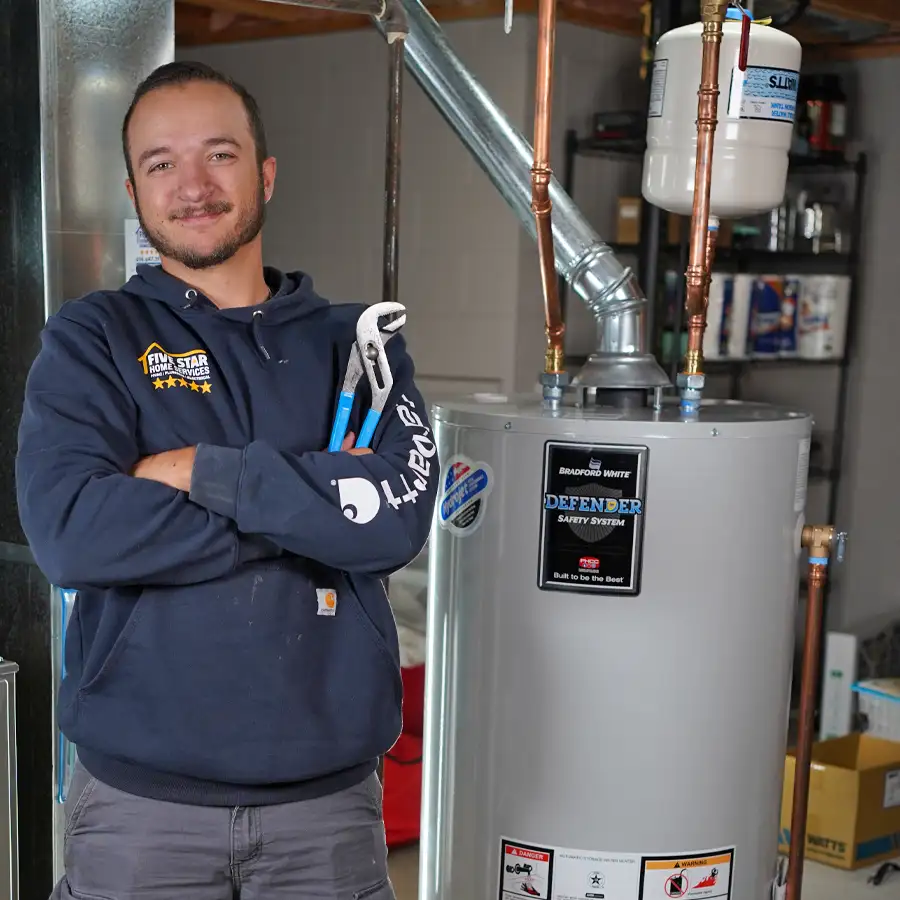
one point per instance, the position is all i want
(232, 645)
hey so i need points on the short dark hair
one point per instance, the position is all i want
(183, 73)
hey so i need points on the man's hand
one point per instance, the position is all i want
(347, 446)
(173, 467)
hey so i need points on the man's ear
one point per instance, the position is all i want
(268, 173)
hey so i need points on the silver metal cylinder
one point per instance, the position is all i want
(610, 639)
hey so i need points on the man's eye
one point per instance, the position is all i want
(157, 167)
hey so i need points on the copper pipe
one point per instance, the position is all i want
(554, 359)
(712, 239)
(391, 262)
(818, 541)
(707, 109)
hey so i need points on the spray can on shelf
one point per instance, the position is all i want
(766, 316)
(790, 300)
(822, 316)
(714, 338)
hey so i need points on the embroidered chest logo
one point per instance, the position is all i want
(177, 370)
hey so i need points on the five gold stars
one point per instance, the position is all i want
(171, 381)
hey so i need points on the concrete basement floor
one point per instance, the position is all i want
(819, 882)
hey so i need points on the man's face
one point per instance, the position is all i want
(198, 190)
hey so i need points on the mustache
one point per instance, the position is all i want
(207, 209)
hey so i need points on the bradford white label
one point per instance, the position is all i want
(592, 517)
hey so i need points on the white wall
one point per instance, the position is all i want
(870, 497)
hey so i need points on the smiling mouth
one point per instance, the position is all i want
(201, 216)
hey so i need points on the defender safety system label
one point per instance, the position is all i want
(592, 517)
(556, 873)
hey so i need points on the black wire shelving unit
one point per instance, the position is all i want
(654, 257)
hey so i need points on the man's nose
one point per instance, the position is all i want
(194, 184)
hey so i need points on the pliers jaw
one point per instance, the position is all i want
(368, 355)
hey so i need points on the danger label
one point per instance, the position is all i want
(526, 871)
(695, 876)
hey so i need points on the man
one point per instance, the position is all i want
(232, 660)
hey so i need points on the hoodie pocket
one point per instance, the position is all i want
(269, 676)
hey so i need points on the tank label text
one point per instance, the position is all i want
(593, 504)
(592, 517)
(763, 93)
(658, 78)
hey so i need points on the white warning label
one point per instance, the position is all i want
(595, 876)
(526, 871)
(695, 876)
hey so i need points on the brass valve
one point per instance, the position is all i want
(713, 10)
(821, 540)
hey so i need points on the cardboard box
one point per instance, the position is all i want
(628, 226)
(628, 223)
(680, 226)
(854, 802)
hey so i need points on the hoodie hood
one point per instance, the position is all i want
(292, 296)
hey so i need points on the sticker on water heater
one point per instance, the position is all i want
(693, 876)
(525, 871)
(570, 874)
(466, 488)
(592, 517)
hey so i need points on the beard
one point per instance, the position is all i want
(249, 224)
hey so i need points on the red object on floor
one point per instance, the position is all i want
(403, 765)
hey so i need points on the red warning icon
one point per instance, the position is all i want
(709, 881)
(677, 885)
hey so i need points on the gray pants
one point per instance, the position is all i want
(121, 847)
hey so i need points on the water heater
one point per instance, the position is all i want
(611, 609)
(756, 112)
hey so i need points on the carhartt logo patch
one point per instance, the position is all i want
(177, 370)
(327, 598)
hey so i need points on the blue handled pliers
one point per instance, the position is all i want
(368, 354)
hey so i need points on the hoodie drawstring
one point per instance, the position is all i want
(193, 299)
(257, 334)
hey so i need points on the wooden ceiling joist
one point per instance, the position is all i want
(200, 22)
(275, 12)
